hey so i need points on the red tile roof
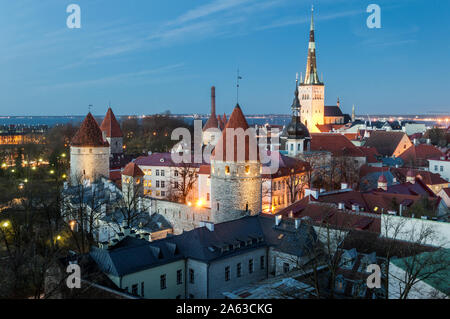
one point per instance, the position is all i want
(385, 142)
(133, 170)
(320, 213)
(371, 153)
(425, 151)
(89, 134)
(205, 170)
(337, 144)
(110, 125)
(325, 128)
(237, 120)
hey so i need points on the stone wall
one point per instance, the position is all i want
(182, 217)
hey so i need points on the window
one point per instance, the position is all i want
(442, 168)
(175, 173)
(298, 147)
(285, 267)
(207, 197)
(227, 169)
(142, 289)
(157, 183)
(435, 167)
(163, 193)
(162, 282)
(227, 273)
(162, 172)
(158, 193)
(163, 184)
(191, 276)
(262, 262)
(157, 172)
(176, 185)
(179, 277)
(292, 147)
(238, 270)
(247, 169)
(134, 289)
(250, 266)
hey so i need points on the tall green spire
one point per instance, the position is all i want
(311, 76)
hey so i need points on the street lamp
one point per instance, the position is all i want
(5, 224)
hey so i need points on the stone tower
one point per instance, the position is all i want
(312, 90)
(208, 136)
(112, 133)
(299, 139)
(132, 184)
(89, 153)
(235, 171)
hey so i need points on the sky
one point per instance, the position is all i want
(146, 57)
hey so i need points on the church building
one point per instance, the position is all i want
(317, 116)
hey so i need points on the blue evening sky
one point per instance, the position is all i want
(148, 56)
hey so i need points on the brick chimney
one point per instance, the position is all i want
(213, 101)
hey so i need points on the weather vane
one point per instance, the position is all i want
(237, 86)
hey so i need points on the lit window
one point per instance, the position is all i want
(227, 169)
(247, 169)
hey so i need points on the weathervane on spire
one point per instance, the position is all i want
(237, 86)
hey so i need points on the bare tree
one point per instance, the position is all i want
(183, 182)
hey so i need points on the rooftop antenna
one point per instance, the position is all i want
(90, 107)
(237, 86)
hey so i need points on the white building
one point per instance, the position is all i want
(441, 166)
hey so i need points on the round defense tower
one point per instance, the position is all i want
(235, 180)
(89, 154)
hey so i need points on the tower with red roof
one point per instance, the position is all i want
(235, 171)
(89, 153)
(112, 133)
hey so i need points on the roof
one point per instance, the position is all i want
(335, 143)
(89, 134)
(132, 169)
(319, 213)
(226, 240)
(246, 152)
(371, 154)
(446, 191)
(431, 267)
(425, 151)
(332, 110)
(110, 125)
(285, 165)
(385, 142)
(131, 255)
(325, 128)
(205, 170)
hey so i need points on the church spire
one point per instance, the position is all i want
(311, 76)
(296, 102)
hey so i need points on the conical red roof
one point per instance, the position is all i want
(250, 148)
(89, 134)
(110, 125)
(221, 124)
(133, 170)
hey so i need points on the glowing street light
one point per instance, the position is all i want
(58, 237)
(5, 224)
(63, 155)
(52, 172)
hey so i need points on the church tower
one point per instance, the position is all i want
(311, 89)
(112, 133)
(235, 171)
(89, 153)
(298, 140)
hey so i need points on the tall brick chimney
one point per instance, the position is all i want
(213, 101)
